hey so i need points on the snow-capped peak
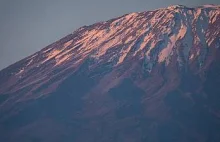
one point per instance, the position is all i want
(176, 6)
(152, 36)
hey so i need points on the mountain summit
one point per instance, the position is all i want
(143, 77)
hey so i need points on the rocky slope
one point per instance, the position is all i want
(143, 77)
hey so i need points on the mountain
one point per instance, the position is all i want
(151, 76)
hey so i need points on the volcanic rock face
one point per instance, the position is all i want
(143, 77)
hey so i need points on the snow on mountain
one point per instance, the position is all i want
(156, 35)
(174, 48)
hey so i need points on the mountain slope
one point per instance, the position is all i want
(150, 76)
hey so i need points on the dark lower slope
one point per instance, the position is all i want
(163, 106)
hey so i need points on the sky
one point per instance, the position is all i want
(27, 26)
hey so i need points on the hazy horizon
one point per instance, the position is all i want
(27, 26)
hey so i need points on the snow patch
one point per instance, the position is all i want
(191, 57)
(166, 52)
(20, 71)
(47, 50)
(63, 59)
(51, 55)
(68, 43)
(29, 62)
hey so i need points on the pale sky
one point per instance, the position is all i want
(26, 26)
